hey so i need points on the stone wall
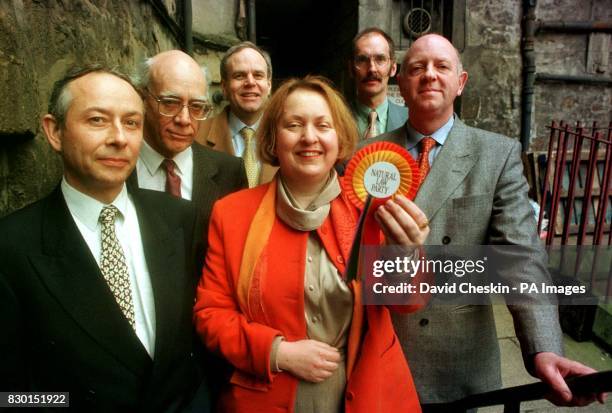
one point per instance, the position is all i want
(570, 54)
(39, 40)
(492, 59)
(214, 31)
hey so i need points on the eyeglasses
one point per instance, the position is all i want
(171, 106)
(362, 61)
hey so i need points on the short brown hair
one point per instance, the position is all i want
(375, 30)
(344, 124)
(239, 47)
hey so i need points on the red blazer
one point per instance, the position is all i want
(378, 376)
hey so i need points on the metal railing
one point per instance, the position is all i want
(512, 397)
(579, 166)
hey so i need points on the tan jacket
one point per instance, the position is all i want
(215, 134)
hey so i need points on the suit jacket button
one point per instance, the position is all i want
(349, 395)
(446, 240)
(423, 322)
(340, 259)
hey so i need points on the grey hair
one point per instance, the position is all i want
(241, 46)
(61, 98)
(142, 76)
(459, 63)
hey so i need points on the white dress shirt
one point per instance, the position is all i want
(235, 126)
(152, 175)
(85, 211)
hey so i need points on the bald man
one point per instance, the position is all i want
(176, 101)
(474, 194)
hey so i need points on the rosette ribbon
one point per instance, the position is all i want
(376, 173)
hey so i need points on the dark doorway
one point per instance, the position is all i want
(307, 36)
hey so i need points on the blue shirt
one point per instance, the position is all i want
(439, 136)
(235, 126)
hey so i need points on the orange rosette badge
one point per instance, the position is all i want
(374, 174)
(381, 170)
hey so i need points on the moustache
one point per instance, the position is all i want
(372, 77)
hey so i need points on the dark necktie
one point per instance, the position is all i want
(173, 181)
(113, 266)
(425, 146)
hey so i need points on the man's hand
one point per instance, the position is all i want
(309, 360)
(403, 222)
(552, 369)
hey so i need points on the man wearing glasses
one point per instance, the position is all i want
(372, 65)
(176, 101)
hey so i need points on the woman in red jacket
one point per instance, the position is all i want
(272, 300)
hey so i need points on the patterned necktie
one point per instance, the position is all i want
(173, 181)
(113, 266)
(425, 146)
(372, 129)
(249, 155)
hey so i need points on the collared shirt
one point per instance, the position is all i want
(439, 136)
(85, 211)
(235, 126)
(363, 113)
(152, 175)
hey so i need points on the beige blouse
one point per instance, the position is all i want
(328, 301)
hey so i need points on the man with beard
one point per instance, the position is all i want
(372, 64)
(246, 80)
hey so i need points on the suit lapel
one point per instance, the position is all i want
(205, 189)
(164, 254)
(219, 136)
(395, 116)
(132, 181)
(72, 275)
(397, 136)
(450, 168)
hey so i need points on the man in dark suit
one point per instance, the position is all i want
(95, 291)
(474, 193)
(176, 101)
(371, 66)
